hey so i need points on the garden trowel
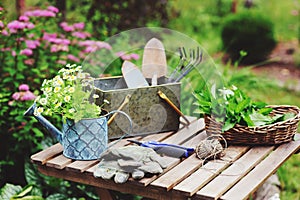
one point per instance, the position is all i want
(154, 64)
(133, 76)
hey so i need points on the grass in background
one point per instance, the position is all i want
(201, 20)
(197, 21)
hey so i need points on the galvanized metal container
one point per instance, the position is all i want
(149, 113)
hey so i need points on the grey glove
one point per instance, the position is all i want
(134, 160)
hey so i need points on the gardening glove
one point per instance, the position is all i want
(135, 160)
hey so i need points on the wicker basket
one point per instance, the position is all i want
(276, 133)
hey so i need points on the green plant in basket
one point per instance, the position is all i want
(232, 106)
(70, 94)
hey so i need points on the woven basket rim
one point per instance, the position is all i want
(296, 118)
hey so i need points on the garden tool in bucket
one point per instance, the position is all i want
(86, 139)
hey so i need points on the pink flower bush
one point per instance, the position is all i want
(24, 18)
(29, 62)
(26, 52)
(32, 44)
(16, 25)
(60, 47)
(23, 87)
(67, 27)
(53, 9)
(79, 25)
(24, 94)
(40, 13)
(73, 58)
(49, 36)
(124, 56)
(13, 53)
(81, 35)
(92, 46)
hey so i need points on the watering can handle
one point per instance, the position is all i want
(130, 125)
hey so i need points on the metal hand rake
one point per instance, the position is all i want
(195, 59)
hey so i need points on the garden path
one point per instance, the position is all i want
(285, 65)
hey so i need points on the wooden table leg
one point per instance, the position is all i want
(104, 194)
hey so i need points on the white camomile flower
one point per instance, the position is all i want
(44, 82)
(48, 89)
(72, 110)
(81, 75)
(69, 65)
(62, 70)
(57, 89)
(78, 68)
(60, 81)
(65, 76)
(72, 78)
(67, 98)
(43, 101)
(38, 111)
(71, 89)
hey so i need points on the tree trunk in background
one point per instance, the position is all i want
(61, 5)
(234, 6)
(20, 7)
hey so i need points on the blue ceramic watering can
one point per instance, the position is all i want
(86, 139)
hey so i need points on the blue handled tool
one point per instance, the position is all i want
(171, 150)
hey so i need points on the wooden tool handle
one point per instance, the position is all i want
(126, 100)
(164, 97)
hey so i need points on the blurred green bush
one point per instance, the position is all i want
(248, 31)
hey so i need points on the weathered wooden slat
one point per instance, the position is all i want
(210, 170)
(178, 173)
(81, 165)
(156, 136)
(262, 172)
(183, 169)
(91, 169)
(184, 123)
(43, 156)
(59, 162)
(193, 142)
(128, 187)
(186, 133)
(218, 186)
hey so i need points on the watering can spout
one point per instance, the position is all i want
(50, 127)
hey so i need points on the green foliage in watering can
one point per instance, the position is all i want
(70, 94)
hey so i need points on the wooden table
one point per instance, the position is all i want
(237, 175)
